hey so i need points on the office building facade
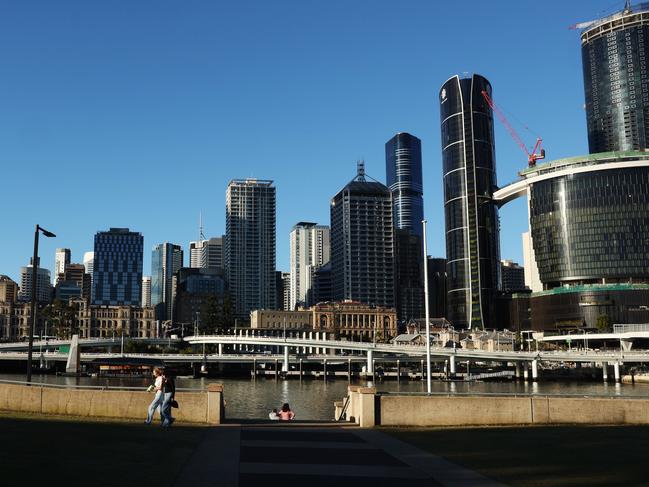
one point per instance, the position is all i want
(166, 260)
(362, 242)
(471, 216)
(250, 245)
(146, 291)
(117, 267)
(310, 248)
(616, 80)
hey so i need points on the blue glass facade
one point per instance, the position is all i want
(166, 259)
(403, 175)
(117, 271)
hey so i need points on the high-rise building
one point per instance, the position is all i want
(8, 290)
(283, 290)
(404, 178)
(310, 248)
(166, 260)
(323, 286)
(61, 261)
(198, 290)
(513, 276)
(117, 267)
(437, 287)
(197, 254)
(146, 291)
(89, 262)
(250, 245)
(616, 81)
(214, 256)
(362, 242)
(43, 284)
(472, 232)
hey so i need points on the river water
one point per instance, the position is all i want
(313, 399)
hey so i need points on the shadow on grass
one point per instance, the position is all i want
(541, 456)
(37, 450)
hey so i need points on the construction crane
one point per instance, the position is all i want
(536, 154)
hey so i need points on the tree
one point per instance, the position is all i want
(62, 319)
(210, 315)
(603, 323)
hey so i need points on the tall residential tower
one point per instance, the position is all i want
(250, 245)
(310, 249)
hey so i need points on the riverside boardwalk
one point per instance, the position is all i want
(316, 455)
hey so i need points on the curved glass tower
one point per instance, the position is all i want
(614, 53)
(403, 174)
(469, 168)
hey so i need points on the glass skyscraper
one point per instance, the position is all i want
(166, 260)
(117, 267)
(469, 170)
(616, 80)
(403, 175)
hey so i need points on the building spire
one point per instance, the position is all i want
(201, 235)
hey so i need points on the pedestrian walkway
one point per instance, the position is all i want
(317, 455)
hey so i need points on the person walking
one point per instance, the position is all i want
(168, 395)
(157, 400)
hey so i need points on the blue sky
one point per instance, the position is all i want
(138, 113)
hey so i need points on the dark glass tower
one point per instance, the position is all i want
(166, 260)
(362, 242)
(469, 169)
(117, 271)
(616, 80)
(403, 175)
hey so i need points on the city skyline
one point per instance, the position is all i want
(51, 133)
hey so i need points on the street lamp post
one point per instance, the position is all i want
(428, 378)
(32, 322)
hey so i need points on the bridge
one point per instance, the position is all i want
(313, 349)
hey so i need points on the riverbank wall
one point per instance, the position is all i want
(367, 408)
(203, 407)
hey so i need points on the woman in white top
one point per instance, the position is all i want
(157, 400)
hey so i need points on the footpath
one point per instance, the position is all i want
(317, 455)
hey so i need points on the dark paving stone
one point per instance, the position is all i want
(272, 480)
(320, 456)
(299, 435)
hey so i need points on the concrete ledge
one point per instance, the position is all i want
(420, 410)
(195, 407)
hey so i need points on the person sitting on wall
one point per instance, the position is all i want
(273, 415)
(285, 413)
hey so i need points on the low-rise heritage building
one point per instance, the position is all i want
(8, 290)
(103, 321)
(344, 319)
(277, 320)
(14, 320)
(354, 320)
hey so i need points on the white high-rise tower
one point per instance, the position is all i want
(310, 249)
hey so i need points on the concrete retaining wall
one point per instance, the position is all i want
(195, 407)
(475, 411)
(370, 409)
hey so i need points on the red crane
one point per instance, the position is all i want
(533, 156)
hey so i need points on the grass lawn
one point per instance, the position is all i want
(543, 456)
(61, 451)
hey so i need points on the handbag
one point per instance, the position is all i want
(174, 403)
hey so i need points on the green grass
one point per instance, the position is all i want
(543, 456)
(35, 450)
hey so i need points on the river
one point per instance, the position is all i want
(313, 399)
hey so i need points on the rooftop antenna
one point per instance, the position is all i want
(201, 235)
(360, 170)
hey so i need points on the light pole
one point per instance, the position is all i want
(428, 378)
(32, 322)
